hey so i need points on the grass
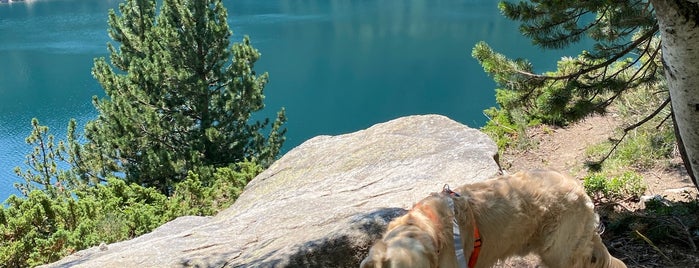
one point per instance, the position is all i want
(641, 148)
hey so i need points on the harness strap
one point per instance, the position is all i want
(473, 259)
(476, 244)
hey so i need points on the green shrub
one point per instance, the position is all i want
(40, 229)
(208, 190)
(507, 129)
(629, 185)
(62, 212)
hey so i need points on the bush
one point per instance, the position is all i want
(206, 192)
(629, 185)
(40, 229)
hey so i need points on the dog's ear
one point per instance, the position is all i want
(376, 256)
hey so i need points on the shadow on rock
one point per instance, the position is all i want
(341, 248)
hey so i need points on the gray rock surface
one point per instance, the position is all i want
(320, 205)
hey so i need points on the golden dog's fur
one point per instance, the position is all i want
(421, 238)
(542, 212)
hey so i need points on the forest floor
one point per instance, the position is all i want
(664, 236)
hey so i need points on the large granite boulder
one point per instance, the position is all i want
(320, 205)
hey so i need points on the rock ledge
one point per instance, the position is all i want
(320, 205)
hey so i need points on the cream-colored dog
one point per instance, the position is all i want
(542, 212)
(421, 238)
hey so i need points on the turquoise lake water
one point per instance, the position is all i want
(337, 66)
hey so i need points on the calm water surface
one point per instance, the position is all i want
(336, 65)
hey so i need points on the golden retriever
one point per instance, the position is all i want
(539, 211)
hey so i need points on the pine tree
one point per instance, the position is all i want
(637, 44)
(178, 95)
(43, 173)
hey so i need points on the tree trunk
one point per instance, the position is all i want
(679, 31)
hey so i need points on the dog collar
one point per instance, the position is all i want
(476, 233)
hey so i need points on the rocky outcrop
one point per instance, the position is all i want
(320, 205)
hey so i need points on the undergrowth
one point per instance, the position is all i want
(39, 228)
(628, 185)
(643, 231)
(663, 234)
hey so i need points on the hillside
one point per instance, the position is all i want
(564, 149)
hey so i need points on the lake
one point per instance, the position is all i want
(336, 66)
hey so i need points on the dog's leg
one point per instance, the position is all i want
(570, 240)
(601, 254)
(596, 256)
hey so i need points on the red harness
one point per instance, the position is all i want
(477, 242)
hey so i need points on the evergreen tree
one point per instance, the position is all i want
(178, 95)
(58, 214)
(637, 44)
(43, 173)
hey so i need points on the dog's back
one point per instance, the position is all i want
(538, 211)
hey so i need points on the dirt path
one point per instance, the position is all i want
(563, 149)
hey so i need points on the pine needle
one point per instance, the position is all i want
(652, 245)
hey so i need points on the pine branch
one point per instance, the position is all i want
(632, 127)
(631, 47)
(643, 68)
(573, 34)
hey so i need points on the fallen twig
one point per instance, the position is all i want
(652, 245)
(685, 230)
